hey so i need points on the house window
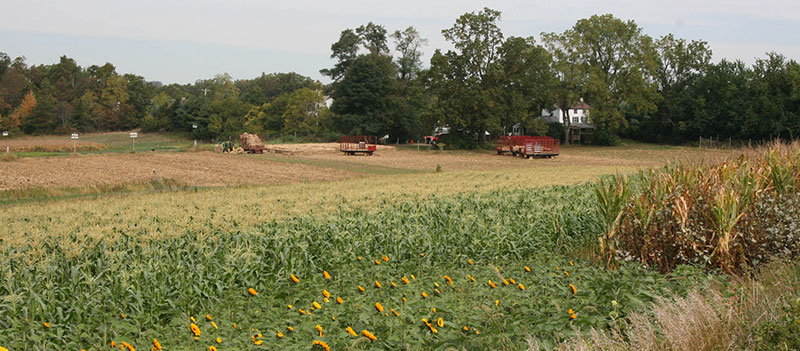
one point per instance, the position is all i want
(575, 111)
(575, 119)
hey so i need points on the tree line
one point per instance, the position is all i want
(653, 89)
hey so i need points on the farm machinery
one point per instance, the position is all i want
(355, 144)
(527, 146)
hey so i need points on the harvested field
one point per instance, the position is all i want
(201, 168)
(411, 159)
(290, 163)
(314, 149)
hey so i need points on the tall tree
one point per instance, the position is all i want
(619, 64)
(467, 81)
(408, 45)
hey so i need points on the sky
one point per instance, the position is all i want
(174, 41)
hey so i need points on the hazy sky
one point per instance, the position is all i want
(182, 41)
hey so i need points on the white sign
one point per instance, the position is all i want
(74, 135)
(5, 133)
(194, 126)
(134, 135)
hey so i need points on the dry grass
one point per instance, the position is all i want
(705, 319)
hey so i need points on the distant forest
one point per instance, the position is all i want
(652, 89)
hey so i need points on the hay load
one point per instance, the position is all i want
(251, 143)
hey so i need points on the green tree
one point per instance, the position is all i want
(527, 79)
(304, 111)
(407, 45)
(467, 82)
(618, 63)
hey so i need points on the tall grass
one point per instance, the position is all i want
(730, 215)
(714, 317)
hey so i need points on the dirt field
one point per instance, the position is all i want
(201, 168)
(291, 163)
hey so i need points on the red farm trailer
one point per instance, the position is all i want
(536, 146)
(505, 144)
(353, 144)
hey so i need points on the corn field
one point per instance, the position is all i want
(727, 216)
(495, 270)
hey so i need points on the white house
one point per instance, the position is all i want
(578, 114)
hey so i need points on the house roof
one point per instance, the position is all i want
(580, 105)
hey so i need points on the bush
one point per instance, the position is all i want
(556, 131)
(453, 141)
(606, 138)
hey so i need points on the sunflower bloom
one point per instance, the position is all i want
(212, 348)
(156, 344)
(317, 305)
(512, 281)
(326, 294)
(570, 311)
(369, 335)
(386, 258)
(214, 325)
(470, 261)
(378, 284)
(208, 316)
(351, 331)
(339, 300)
(379, 307)
(505, 282)
(360, 258)
(319, 330)
(440, 322)
(294, 279)
(492, 284)
(573, 316)
(521, 287)
(195, 329)
(290, 329)
(570, 263)
(252, 291)
(290, 306)
(321, 344)
(46, 325)
(497, 302)
(574, 290)
(377, 262)
(424, 295)
(360, 288)
(465, 328)
(394, 285)
(326, 275)
(448, 279)
(405, 280)
(395, 313)
(219, 340)
(527, 269)
(413, 277)
(471, 278)
(566, 273)
(279, 334)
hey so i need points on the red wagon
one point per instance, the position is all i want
(353, 144)
(527, 146)
(536, 146)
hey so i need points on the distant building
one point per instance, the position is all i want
(580, 125)
(578, 114)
